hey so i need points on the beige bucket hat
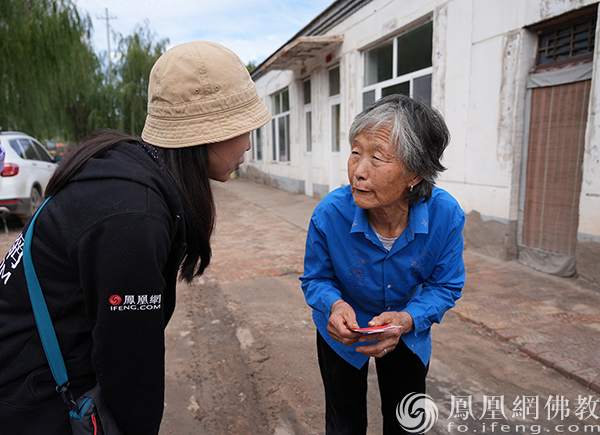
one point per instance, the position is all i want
(200, 92)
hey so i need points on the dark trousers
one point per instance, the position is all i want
(399, 373)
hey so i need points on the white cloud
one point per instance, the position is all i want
(253, 29)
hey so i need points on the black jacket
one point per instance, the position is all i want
(107, 250)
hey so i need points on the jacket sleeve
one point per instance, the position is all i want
(318, 281)
(120, 261)
(444, 286)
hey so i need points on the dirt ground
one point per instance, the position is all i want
(242, 358)
(242, 361)
(241, 355)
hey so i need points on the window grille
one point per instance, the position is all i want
(567, 44)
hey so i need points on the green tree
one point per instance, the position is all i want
(53, 85)
(97, 104)
(139, 52)
(251, 65)
(46, 64)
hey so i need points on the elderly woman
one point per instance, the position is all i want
(385, 250)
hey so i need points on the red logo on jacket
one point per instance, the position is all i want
(115, 300)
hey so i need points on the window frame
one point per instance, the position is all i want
(280, 116)
(334, 100)
(257, 150)
(307, 110)
(409, 77)
(43, 153)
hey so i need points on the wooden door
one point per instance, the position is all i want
(553, 176)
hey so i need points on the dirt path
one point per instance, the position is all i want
(241, 355)
(251, 356)
(252, 369)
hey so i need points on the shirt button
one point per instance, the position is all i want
(389, 308)
(389, 286)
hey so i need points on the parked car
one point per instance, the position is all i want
(28, 167)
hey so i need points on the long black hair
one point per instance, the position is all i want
(188, 169)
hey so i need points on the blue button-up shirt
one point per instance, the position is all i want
(422, 274)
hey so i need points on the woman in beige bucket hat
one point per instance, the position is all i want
(127, 216)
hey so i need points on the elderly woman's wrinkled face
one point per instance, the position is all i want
(377, 177)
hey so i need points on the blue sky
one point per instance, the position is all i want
(253, 29)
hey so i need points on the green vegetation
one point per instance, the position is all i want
(53, 85)
(250, 65)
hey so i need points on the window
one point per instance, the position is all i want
(15, 146)
(334, 104)
(334, 81)
(307, 115)
(281, 126)
(415, 50)
(400, 66)
(335, 128)
(307, 90)
(30, 150)
(30, 153)
(257, 144)
(569, 43)
(42, 152)
(378, 66)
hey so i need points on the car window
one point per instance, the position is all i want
(44, 155)
(14, 144)
(29, 149)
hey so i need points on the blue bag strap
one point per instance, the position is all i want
(40, 310)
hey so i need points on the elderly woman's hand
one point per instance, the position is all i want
(386, 341)
(341, 320)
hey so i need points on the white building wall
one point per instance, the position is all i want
(278, 81)
(482, 55)
(589, 208)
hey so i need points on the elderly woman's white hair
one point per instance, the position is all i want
(418, 134)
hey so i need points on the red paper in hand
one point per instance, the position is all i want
(376, 329)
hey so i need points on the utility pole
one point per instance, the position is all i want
(107, 18)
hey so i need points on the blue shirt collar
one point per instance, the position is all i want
(418, 221)
(360, 223)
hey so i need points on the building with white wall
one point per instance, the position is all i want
(516, 81)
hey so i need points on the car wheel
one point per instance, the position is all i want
(35, 201)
